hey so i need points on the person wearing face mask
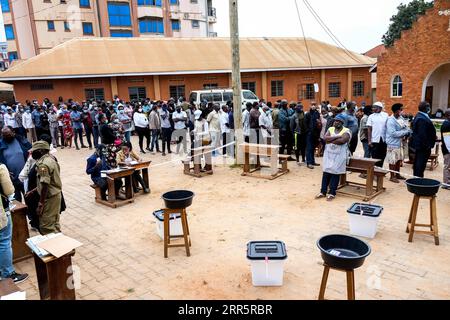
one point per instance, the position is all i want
(14, 154)
(54, 127)
(166, 129)
(49, 188)
(142, 129)
(214, 127)
(298, 127)
(75, 116)
(20, 130)
(125, 120)
(266, 125)
(87, 124)
(423, 138)
(10, 119)
(313, 127)
(179, 118)
(155, 128)
(376, 133)
(334, 157)
(28, 125)
(94, 112)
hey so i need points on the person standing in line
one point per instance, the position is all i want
(225, 129)
(313, 127)
(298, 127)
(60, 114)
(20, 130)
(88, 125)
(94, 113)
(254, 123)
(125, 121)
(394, 136)
(75, 116)
(246, 122)
(352, 125)
(266, 125)
(10, 118)
(179, 118)
(214, 127)
(363, 131)
(376, 133)
(155, 129)
(423, 138)
(67, 129)
(28, 125)
(54, 127)
(141, 125)
(445, 137)
(166, 129)
(284, 121)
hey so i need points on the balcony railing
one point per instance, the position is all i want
(212, 12)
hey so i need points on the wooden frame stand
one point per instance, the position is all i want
(196, 170)
(433, 225)
(350, 282)
(268, 151)
(167, 237)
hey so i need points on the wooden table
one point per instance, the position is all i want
(196, 158)
(268, 151)
(7, 286)
(142, 166)
(365, 166)
(20, 233)
(55, 277)
(111, 176)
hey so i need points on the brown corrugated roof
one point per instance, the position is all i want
(376, 52)
(94, 57)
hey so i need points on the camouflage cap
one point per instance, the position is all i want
(40, 145)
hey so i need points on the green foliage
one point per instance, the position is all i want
(404, 19)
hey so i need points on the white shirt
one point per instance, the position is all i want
(10, 120)
(59, 117)
(378, 123)
(266, 121)
(180, 124)
(223, 122)
(27, 121)
(140, 120)
(246, 122)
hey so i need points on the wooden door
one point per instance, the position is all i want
(429, 96)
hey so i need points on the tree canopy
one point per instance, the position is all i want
(404, 19)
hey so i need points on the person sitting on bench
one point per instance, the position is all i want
(127, 156)
(97, 163)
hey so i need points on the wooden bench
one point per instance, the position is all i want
(379, 176)
(434, 158)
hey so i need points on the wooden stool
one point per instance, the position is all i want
(433, 220)
(167, 236)
(350, 282)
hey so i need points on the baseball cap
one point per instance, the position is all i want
(197, 114)
(378, 104)
(40, 145)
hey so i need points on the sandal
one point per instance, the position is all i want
(330, 197)
(320, 195)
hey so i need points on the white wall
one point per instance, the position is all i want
(439, 80)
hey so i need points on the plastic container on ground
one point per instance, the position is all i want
(363, 219)
(176, 228)
(267, 262)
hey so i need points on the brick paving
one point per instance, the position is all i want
(122, 256)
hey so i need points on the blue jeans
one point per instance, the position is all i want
(155, 141)
(310, 149)
(96, 135)
(6, 265)
(330, 180)
(367, 153)
(127, 136)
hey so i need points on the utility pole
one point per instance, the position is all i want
(236, 76)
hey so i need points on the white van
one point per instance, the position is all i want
(221, 96)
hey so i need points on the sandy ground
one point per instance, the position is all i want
(122, 256)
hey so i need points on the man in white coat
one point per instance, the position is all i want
(27, 122)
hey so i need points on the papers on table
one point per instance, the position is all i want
(55, 244)
(19, 295)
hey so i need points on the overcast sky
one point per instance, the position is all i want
(358, 24)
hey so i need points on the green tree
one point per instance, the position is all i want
(404, 19)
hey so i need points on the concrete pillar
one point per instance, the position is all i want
(322, 85)
(265, 96)
(114, 87)
(349, 85)
(157, 87)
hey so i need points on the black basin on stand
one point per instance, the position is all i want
(178, 199)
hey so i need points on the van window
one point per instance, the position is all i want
(249, 95)
(206, 96)
(193, 97)
(227, 96)
(217, 96)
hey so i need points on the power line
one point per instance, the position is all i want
(28, 14)
(304, 37)
(329, 32)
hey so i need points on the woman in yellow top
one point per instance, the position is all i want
(127, 156)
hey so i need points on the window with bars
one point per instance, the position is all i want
(5, 6)
(177, 91)
(96, 94)
(85, 4)
(195, 24)
(50, 25)
(41, 86)
(156, 3)
(176, 25)
(277, 88)
(137, 93)
(207, 86)
(358, 88)
(87, 28)
(249, 86)
(334, 90)
(306, 92)
(13, 56)
(121, 33)
(9, 31)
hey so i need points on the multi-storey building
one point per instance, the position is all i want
(4, 60)
(34, 26)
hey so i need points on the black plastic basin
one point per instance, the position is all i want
(342, 251)
(423, 187)
(178, 199)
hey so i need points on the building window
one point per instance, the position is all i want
(137, 93)
(121, 33)
(195, 24)
(87, 28)
(63, 1)
(96, 94)
(66, 26)
(397, 87)
(358, 88)
(50, 25)
(307, 92)
(208, 86)
(334, 89)
(174, 2)
(41, 86)
(177, 91)
(249, 86)
(175, 25)
(9, 31)
(12, 56)
(151, 25)
(85, 4)
(277, 88)
(119, 14)
(5, 6)
(156, 3)
(194, 1)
